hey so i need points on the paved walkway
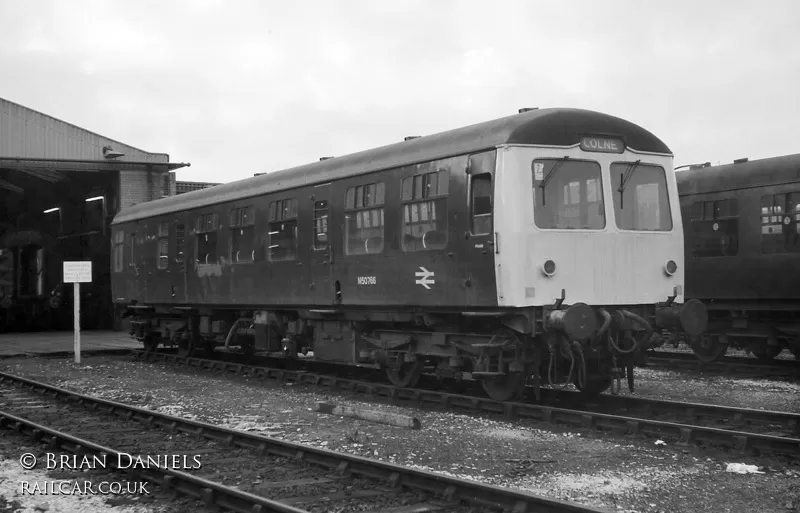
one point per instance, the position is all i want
(47, 342)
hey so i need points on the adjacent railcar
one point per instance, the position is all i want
(545, 245)
(742, 232)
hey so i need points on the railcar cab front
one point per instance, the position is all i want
(590, 235)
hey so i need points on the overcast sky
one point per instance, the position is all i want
(237, 87)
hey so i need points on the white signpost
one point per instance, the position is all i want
(77, 273)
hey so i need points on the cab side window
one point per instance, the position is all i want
(481, 204)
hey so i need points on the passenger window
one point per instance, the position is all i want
(162, 256)
(132, 249)
(481, 208)
(206, 231)
(180, 236)
(283, 230)
(364, 219)
(715, 228)
(242, 225)
(6, 272)
(780, 223)
(119, 251)
(320, 225)
(424, 199)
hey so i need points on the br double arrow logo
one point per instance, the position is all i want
(425, 278)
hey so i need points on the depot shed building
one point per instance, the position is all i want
(60, 187)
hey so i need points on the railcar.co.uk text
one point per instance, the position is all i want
(84, 488)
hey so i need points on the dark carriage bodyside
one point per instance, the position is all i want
(458, 277)
(741, 237)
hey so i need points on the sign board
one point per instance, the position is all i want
(603, 144)
(78, 272)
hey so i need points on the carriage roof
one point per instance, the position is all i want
(558, 127)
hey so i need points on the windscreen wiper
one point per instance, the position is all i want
(623, 181)
(550, 175)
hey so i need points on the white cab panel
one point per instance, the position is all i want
(606, 266)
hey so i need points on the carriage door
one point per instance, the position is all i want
(135, 271)
(321, 251)
(480, 240)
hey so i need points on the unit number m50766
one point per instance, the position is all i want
(366, 280)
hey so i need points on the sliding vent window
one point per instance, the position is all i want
(206, 231)
(163, 246)
(283, 230)
(180, 235)
(243, 244)
(424, 200)
(641, 200)
(320, 225)
(568, 194)
(364, 219)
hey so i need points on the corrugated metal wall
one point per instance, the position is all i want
(26, 133)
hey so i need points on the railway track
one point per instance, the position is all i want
(728, 365)
(241, 471)
(740, 429)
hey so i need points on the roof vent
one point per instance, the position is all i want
(528, 109)
(408, 138)
(741, 161)
(324, 158)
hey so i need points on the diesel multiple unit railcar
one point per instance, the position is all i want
(543, 245)
(742, 233)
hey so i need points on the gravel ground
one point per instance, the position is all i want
(774, 393)
(682, 348)
(622, 474)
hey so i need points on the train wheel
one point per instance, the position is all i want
(710, 347)
(765, 352)
(150, 344)
(186, 348)
(406, 376)
(506, 387)
(794, 347)
(249, 348)
(594, 386)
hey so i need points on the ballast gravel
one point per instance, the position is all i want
(619, 474)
